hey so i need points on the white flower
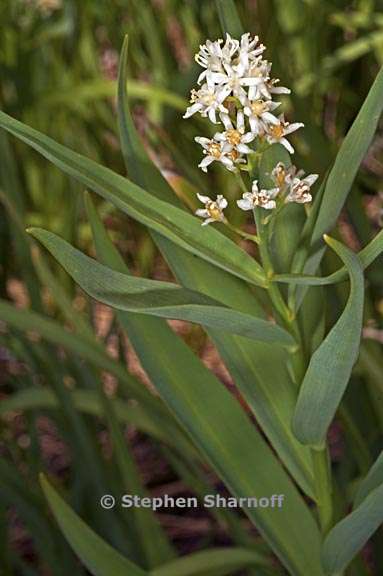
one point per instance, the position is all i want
(300, 189)
(262, 198)
(213, 211)
(215, 151)
(208, 101)
(212, 55)
(249, 49)
(276, 133)
(283, 176)
(259, 72)
(259, 113)
(235, 138)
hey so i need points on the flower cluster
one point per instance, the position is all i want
(236, 90)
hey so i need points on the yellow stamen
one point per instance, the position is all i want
(233, 137)
(214, 150)
(258, 107)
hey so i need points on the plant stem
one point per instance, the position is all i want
(323, 487)
(321, 467)
(251, 237)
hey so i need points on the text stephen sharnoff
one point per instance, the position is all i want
(209, 501)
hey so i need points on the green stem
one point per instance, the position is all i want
(321, 467)
(323, 487)
(251, 237)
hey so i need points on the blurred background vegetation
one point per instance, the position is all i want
(58, 69)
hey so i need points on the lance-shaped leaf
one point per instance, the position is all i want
(366, 257)
(350, 155)
(163, 299)
(215, 562)
(330, 366)
(96, 554)
(229, 19)
(373, 480)
(181, 228)
(349, 536)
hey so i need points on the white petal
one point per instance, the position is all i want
(221, 202)
(311, 179)
(267, 117)
(245, 204)
(280, 90)
(251, 81)
(254, 187)
(287, 145)
(248, 137)
(244, 149)
(205, 162)
(202, 140)
(255, 125)
(240, 121)
(192, 110)
(292, 127)
(212, 116)
(208, 221)
(219, 137)
(203, 199)
(226, 162)
(269, 205)
(226, 121)
(202, 213)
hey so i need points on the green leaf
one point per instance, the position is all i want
(366, 256)
(216, 562)
(349, 157)
(349, 536)
(373, 480)
(163, 299)
(229, 18)
(98, 556)
(181, 228)
(330, 366)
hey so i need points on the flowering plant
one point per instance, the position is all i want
(264, 313)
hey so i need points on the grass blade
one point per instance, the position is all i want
(330, 366)
(216, 562)
(229, 18)
(366, 256)
(171, 222)
(349, 158)
(373, 480)
(98, 556)
(349, 536)
(163, 299)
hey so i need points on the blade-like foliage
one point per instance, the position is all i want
(151, 297)
(349, 158)
(366, 256)
(98, 556)
(349, 536)
(229, 18)
(330, 366)
(171, 222)
(373, 480)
